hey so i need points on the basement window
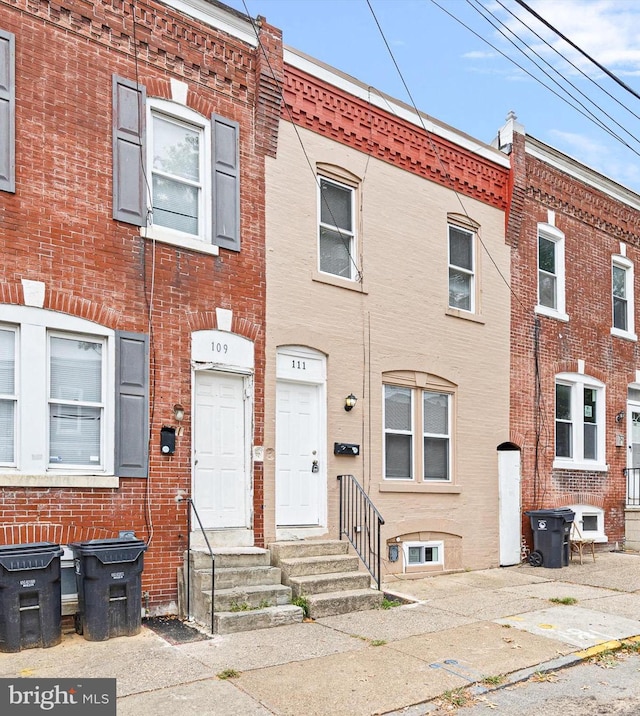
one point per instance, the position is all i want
(418, 554)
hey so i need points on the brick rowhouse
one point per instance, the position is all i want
(57, 229)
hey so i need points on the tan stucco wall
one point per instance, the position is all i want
(395, 321)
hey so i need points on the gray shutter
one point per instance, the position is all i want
(129, 196)
(226, 183)
(132, 404)
(7, 111)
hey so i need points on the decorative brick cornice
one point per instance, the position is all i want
(330, 111)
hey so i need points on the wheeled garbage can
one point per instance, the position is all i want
(108, 575)
(30, 596)
(551, 537)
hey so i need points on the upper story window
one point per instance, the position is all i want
(551, 276)
(336, 231)
(73, 397)
(417, 434)
(180, 153)
(580, 409)
(176, 173)
(461, 268)
(622, 298)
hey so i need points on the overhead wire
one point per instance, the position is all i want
(495, 23)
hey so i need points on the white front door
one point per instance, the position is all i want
(221, 474)
(509, 499)
(300, 472)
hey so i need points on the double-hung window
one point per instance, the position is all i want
(579, 420)
(622, 298)
(551, 276)
(461, 268)
(179, 154)
(336, 231)
(417, 434)
(74, 399)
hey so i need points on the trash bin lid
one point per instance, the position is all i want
(111, 551)
(21, 557)
(564, 512)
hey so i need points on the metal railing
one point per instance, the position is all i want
(191, 506)
(360, 522)
(633, 486)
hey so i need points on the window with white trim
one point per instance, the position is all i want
(622, 298)
(461, 268)
(8, 395)
(417, 554)
(590, 521)
(336, 230)
(180, 166)
(417, 434)
(579, 422)
(551, 272)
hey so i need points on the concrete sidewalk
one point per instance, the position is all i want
(461, 628)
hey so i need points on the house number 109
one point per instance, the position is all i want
(219, 347)
(299, 364)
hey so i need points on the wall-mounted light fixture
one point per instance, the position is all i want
(620, 416)
(349, 402)
(178, 412)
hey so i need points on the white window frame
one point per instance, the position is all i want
(418, 434)
(13, 397)
(551, 233)
(423, 546)
(471, 273)
(34, 327)
(346, 235)
(582, 511)
(180, 114)
(578, 382)
(623, 263)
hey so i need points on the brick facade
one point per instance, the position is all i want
(596, 216)
(58, 229)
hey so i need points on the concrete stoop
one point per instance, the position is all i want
(326, 574)
(248, 591)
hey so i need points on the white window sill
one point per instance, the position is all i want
(551, 313)
(58, 480)
(158, 233)
(338, 281)
(590, 466)
(624, 334)
(410, 486)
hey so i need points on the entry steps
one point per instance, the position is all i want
(254, 587)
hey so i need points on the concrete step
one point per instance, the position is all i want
(231, 557)
(343, 602)
(246, 598)
(239, 577)
(306, 548)
(334, 582)
(302, 567)
(232, 622)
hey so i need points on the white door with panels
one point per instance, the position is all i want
(301, 477)
(221, 473)
(509, 506)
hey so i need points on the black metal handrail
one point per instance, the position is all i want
(633, 486)
(191, 506)
(360, 522)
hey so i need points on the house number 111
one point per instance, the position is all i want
(299, 364)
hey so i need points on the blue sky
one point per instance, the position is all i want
(452, 74)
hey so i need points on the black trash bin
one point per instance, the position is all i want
(30, 596)
(551, 535)
(108, 575)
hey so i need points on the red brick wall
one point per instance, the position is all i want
(594, 224)
(58, 228)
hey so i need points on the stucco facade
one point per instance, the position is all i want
(389, 323)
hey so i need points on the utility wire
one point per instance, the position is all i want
(607, 72)
(590, 114)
